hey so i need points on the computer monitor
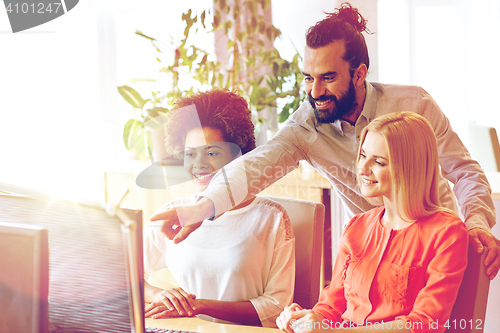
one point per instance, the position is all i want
(24, 278)
(89, 285)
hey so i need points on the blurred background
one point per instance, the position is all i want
(62, 118)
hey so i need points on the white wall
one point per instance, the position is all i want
(450, 48)
(61, 117)
(294, 17)
(49, 109)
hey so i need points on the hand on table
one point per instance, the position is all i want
(174, 302)
(480, 238)
(294, 319)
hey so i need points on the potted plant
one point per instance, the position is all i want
(141, 131)
(247, 53)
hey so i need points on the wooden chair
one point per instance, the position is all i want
(485, 147)
(469, 310)
(307, 218)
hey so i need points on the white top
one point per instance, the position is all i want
(245, 254)
(332, 149)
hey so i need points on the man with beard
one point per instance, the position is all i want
(325, 132)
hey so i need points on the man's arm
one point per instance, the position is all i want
(471, 187)
(250, 174)
(239, 181)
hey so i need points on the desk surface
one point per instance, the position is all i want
(203, 326)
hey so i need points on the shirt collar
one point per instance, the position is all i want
(368, 112)
(366, 116)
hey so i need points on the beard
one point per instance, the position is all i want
(341, 106)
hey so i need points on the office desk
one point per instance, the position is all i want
(199, 325)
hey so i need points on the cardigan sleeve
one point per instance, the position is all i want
(432, 307)
(278, 291)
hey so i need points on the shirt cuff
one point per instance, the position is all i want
(476, 222)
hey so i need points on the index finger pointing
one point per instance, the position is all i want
(167, 215)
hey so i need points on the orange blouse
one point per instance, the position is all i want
(412, 274)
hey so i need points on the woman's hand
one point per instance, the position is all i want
(295, 319)
(158, 310)
(178, 300)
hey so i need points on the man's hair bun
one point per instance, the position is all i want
(351, 15)
(345, 24)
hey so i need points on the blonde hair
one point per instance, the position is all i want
(413, 162)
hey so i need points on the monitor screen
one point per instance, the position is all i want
(24, 278)
(89, 289)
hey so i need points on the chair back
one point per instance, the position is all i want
(485, 147)
(307, 219)
(469, 310)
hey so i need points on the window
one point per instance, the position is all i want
(449, 48)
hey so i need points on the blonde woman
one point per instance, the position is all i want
(400, 265)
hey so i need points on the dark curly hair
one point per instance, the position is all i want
(219, 109)
(345, 24)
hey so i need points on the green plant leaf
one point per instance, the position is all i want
(202, 18)
(227, 25)
(148, 142)
(241, 35)
(262, 27)
(140, 33)
(156, 117)
(283, 115)
(275, 68)
(216, 19)
(189, 22)
(254, 24)
(131, 96)
(251, 7)
(269, 33)
(276, 32)
(249, 29)
(139, 145)
(130, 131)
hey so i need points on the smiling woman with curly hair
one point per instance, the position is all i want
(239, 267)
(219, 109)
